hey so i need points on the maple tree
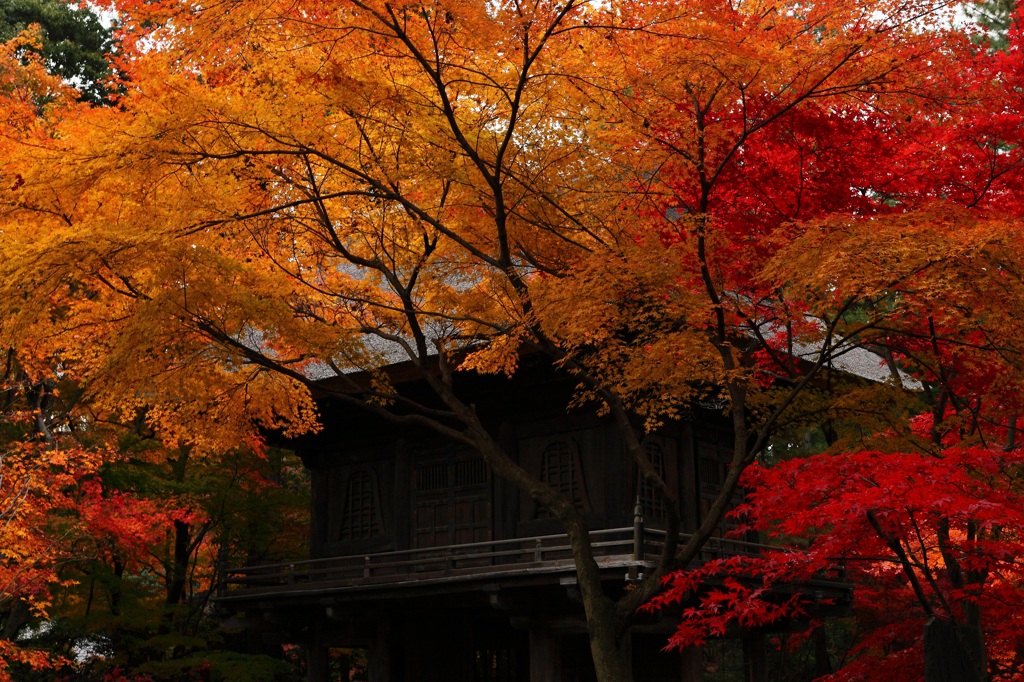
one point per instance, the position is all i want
(37, 467)
(92, 522)
(670, 201)
(927, 540)
(917, 499)
(150, 549)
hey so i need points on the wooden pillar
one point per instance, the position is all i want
(464, 643)
(545, 655)
(822, 660)
(378, 664)
(317, 656)
(691, 661)
(403, 495)
(319, 503)
(755, 657)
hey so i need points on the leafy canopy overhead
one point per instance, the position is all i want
(319, 185)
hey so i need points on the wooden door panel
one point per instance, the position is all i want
(452, 503)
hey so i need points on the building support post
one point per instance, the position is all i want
(691, 661)
(317, 655)
(545, 665)
(379, 656)
(755, 657)
(634, 572)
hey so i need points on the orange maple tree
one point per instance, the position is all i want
(671, 201)
(75, 522)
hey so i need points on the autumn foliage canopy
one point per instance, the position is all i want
(731, 203)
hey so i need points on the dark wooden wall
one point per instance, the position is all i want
(413, 490)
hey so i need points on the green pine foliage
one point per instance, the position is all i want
(996, 18)
(76, 44)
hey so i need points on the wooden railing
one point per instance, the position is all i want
(628, 548)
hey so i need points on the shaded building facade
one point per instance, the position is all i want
(444, 572)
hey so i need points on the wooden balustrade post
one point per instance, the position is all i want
(222, 574)
(638, 541)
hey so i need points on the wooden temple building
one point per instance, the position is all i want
(443, 572)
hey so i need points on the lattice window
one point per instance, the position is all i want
(361, 519)
(470, 472)
(560, 469)
(652, 502)
(432, 476)
(710, 472)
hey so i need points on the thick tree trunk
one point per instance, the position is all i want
(14, 619)
(953, 652)
(956, 650)
(609, 647)
(178, 577)
(610, 652)
(115, 587)
(975, 637)
(608, 635)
